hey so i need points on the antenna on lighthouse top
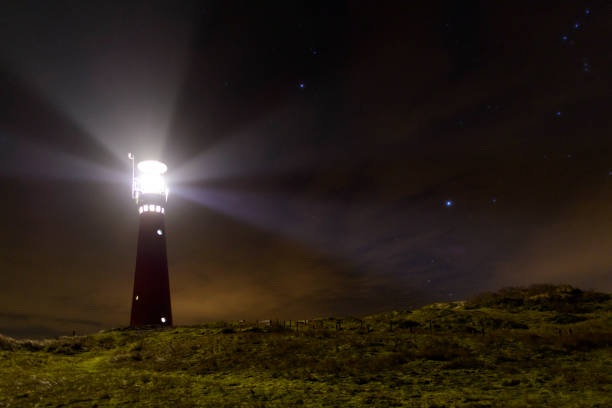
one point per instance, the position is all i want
(131, 157)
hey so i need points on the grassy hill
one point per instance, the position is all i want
(539, 346)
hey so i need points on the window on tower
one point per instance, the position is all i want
(157, 208)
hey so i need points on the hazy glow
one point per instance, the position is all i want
(150, 180)
(37, 160)
(152, 166)
(163, 320)
(242, 153)
(151, 183)
(135, 101)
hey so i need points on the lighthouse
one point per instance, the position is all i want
(151, 295)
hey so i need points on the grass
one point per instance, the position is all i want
(515, 348)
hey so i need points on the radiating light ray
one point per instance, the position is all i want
(365, 234)
(271, 215)
(136, 117)
(264, 147)
(21, 158)
(120, 91)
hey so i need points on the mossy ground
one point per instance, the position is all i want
(490, 352)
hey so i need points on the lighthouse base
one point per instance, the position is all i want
(151, 296)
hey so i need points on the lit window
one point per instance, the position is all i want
(162, 210)
(140, 209)
(160, 232)
(163, 320)
(157, 208)
(146, 207)
(136, 297)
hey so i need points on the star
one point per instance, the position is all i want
(494, 200)
(448, 203)
(564, 38)
(576, 26)
(558, 113)
(587, 11)
(301, 84)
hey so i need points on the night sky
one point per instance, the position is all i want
(325, 158)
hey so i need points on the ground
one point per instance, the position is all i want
(533, 347)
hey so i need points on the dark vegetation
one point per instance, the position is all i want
(539, 346)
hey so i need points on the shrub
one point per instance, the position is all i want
(443, 350)
(408, 324)
(7, 343)
(464, 362)
(585, 341)
(542, 297)
(567, 318)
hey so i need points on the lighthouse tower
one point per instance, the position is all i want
(151, 296)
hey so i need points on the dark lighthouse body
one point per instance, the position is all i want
(151, 296)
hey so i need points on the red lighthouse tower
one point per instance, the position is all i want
(151, 296)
